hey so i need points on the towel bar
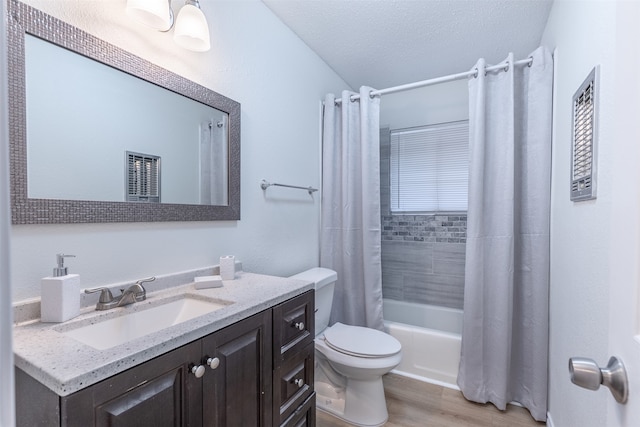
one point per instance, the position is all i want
(264, 184)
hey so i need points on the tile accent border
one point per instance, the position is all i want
(434, 228)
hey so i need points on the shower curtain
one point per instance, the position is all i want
(350, 241)
(505, 326)
(213, 162)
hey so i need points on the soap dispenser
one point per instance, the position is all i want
(60, 294)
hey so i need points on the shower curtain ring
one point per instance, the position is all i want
(530, 62)
(475, 75)
(506, 67)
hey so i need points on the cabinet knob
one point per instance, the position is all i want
(299, 326)
(299, 382)
(198, 371)
(213, 362)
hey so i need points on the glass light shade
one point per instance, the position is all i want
(156, 14)
(191, 31)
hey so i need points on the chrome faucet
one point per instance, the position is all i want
(134, 293)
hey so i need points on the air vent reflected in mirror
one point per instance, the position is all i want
(143, 177)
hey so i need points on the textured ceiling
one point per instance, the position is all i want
(383, 43)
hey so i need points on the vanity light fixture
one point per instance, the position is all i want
(191, 29)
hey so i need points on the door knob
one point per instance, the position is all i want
(586, 373)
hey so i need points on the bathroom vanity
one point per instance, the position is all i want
(249, 362)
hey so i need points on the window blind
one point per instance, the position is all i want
(430, 168)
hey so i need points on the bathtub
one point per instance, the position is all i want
(430, 338)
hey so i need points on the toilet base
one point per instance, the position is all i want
(361, 403)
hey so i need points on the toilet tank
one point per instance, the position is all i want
(324, 280)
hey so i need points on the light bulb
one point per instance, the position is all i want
(156, 14)
(191, 30)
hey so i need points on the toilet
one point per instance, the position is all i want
(350, 360)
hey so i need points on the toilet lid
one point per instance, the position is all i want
(359, 341)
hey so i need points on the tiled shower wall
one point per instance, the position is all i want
(422, 254)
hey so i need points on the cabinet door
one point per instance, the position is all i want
(160, 392)
(36, 405)
(237, 392)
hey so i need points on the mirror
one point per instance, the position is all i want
(95, 114)
(100, 135)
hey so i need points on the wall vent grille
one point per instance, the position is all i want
(583, 165)
(142, 183)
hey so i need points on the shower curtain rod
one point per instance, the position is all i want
(438, 80)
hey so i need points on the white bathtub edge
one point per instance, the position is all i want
(428, 355)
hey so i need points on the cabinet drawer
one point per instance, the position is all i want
(293, 326)
(305, 416)
(293, 383)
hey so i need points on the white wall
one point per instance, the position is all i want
(594, 244)
(279, 81)
(429, 105)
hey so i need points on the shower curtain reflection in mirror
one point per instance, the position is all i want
(213, 162)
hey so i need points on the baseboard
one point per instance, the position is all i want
(425, 379)
(549, 420)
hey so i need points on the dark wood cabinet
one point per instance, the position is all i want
(305, 415)
(293, 355)
(239, 382)
(295, 383)
(237, 391)
(293, 326)
(160, 392)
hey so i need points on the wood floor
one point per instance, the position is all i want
(416, 403)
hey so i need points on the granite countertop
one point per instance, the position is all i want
(65, 365)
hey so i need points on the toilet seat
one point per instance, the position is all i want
(361, 342)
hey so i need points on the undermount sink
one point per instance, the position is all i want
(119, 330)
